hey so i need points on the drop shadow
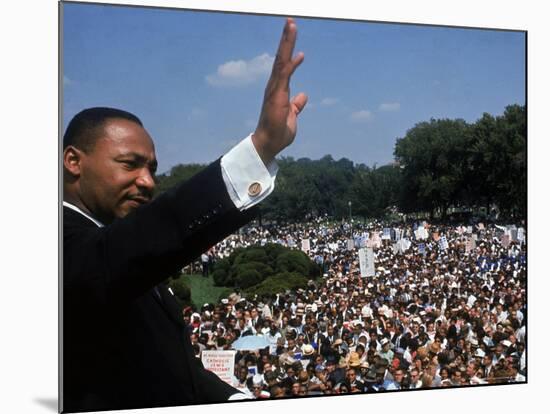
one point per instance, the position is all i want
(49, 403)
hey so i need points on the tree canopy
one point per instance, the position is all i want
(440, 163)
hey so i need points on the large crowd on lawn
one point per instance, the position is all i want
(445, 307)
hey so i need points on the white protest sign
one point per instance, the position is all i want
(521, 234)
(370, 262)
(350, 244)
(366, 261)
(221, 363)
(398, 234)
(403, 245)
(386, 234)
(421, 233)
(305, 245)
(395, 248)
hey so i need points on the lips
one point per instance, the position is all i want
(137, 201)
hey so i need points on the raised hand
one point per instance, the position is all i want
(277, 124)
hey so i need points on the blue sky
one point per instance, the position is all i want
(196, 79)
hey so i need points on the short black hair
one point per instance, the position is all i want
(85, 127)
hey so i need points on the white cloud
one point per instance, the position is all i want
(390, 107)
(329, 101)
(241, 72)
(361, 116)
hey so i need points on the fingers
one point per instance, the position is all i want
(298, 103)
(288, 40)
(284, 65)
(297, 61)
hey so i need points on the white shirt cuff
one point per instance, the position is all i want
(246, 177)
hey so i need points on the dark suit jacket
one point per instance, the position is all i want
(123, 346)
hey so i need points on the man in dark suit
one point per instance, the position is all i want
(124, 343)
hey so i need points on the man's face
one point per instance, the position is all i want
(457, 377)
(243, 374)
(257, 390)
(116, 176)
(398, 375)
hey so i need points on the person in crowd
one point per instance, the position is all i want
(438, 318)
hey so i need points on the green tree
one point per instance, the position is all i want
(496, 162)
(179, 173)
(430, 155)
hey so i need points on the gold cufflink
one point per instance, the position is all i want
(254, 189)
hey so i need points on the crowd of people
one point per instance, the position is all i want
(446, 307)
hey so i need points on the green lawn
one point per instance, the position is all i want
(203, 289)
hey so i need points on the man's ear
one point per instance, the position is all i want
(72, 160)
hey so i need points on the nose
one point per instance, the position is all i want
(145, 180)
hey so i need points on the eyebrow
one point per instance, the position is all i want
(153, 164)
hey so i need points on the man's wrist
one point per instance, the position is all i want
(260, 140)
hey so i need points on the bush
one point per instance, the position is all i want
(272, 266)
(180, 289)
(223, 264)
(263, 269)
(247, 278)
(278, 284)
(253, 254)
(220, 277)
(274, 250)
(293, 261)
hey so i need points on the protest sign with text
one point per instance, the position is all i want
(221, 363)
